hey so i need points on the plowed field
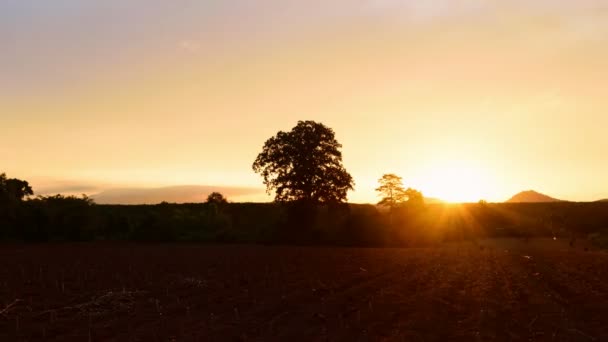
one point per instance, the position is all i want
(503, 290)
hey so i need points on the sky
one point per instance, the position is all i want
(465, 99)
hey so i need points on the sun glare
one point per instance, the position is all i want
(456, 181)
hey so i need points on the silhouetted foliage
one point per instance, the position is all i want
(69, 218)
(72, 219)
(14, 189)
(217, 198)
(391, 189)
(414, 197)
(304, 164)
(394, 194)
(12, 193)
(60, 217)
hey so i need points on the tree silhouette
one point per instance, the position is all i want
(414, 197)
(304, 164)
(391, 189)
(12, 193)
(14, 189)
(217, 198)
(393, 193)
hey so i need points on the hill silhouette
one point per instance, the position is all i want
(172, 194)
(531, 196)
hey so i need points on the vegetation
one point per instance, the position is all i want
(394, 194)
(391, 189)
(304, 168)
(13, 189)
(217, 198)
(61, 218)
(304, 164)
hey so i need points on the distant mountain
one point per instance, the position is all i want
(603, 200)
(175, 194)
(531, 196)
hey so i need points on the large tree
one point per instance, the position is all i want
(304, 164)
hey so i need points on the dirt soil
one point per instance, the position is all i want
(475, 291)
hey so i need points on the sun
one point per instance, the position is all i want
(456, 181)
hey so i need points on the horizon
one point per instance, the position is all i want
(465, 100)
(187, 194)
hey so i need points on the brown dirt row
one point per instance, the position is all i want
(488, 291)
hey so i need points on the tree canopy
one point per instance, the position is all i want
(391, 189)
(217, 198)
(393, 192)
(414, 196)
(14, 189)
(304, 164)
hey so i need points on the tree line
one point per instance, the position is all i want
(304, 169)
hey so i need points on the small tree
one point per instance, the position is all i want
(305, 165)
(14, 189)
(217, 198)
(12, 193)
(391, 189)
(393, 193)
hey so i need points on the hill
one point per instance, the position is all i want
(532, 196)
(173, 194)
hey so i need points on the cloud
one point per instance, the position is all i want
(105, 193)
(176, 194)
(66, 188)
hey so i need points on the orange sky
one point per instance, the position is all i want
(463, 99)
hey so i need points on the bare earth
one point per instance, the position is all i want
(501, 290)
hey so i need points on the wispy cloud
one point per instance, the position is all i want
(113, 194)
(66, 188)
(177, 194)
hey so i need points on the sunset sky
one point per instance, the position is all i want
(464, 99)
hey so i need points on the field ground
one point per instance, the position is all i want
(503, 290)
